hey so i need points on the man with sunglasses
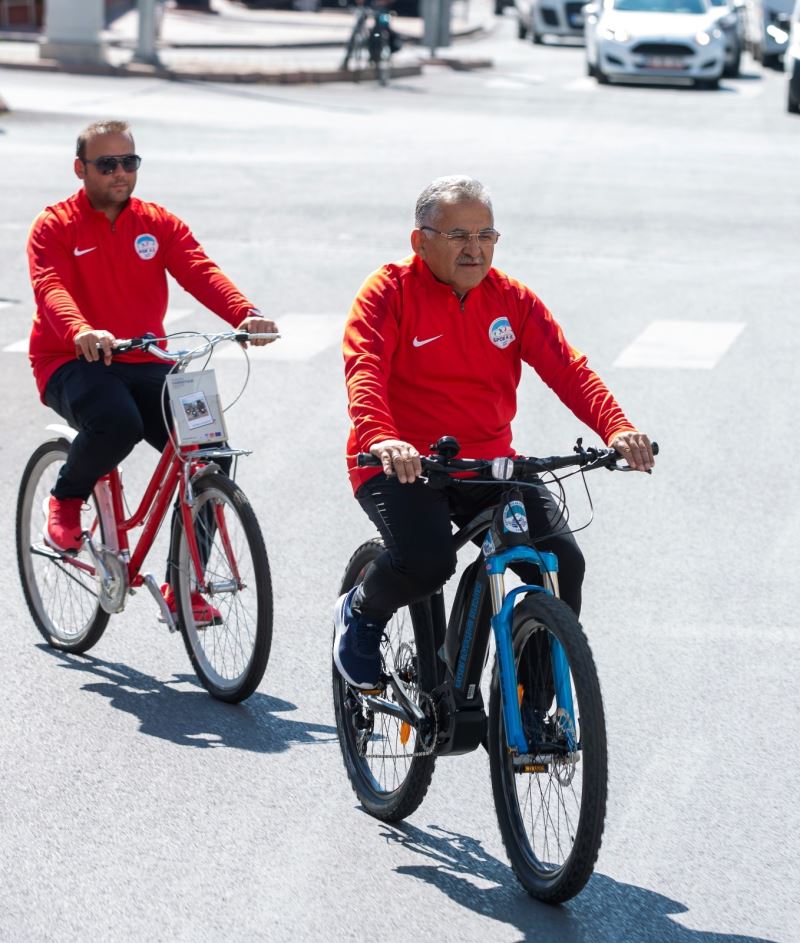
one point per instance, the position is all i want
(99, 262)
(434, 345)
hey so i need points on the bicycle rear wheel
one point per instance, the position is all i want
(230, 655)
(389, 764)
(551, 820)
(62, 598)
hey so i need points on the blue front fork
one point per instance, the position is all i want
(501, 625)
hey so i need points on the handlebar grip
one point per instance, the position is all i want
(365, 459)
(655, 447)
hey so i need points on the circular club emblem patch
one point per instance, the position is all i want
(501, 333)
(146, 246)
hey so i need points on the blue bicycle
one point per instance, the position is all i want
(545, 729)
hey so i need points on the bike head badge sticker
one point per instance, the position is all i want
(514, 519)
(501, 334)
(146, 246)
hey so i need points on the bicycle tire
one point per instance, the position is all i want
(381, 789)
(229, 657)
(62, 599)
(568, 813)
(380, 54)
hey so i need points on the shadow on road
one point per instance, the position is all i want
(194, 718)
(606, 911)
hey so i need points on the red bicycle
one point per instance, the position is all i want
(216, 547)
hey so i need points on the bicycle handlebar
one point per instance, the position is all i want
(507, 469)
(149, 342)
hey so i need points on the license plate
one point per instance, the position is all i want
(663, 62)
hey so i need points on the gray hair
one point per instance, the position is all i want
(454, 189)
(95, 129)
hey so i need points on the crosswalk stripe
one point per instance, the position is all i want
(21, 347)
(695, 345)
(303, 336)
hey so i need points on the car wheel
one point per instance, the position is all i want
(709, 84)
(770, 61)
(591, 70)
(602, 78)
(536, 37)
(522, 29)
(732, 70)
(792, 104)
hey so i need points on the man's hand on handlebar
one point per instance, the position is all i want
(255, 323)
(398, 458)
(88, 342)
(636, 449)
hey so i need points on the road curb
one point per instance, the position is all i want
(255, 76)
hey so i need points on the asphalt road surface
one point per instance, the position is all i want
(661, 226)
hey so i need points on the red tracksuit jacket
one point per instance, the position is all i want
(420, 364)
(88, 273)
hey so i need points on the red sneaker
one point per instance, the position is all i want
(203, 612)
(63, 530)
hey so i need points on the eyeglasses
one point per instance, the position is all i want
(460, 237)
(107, 165)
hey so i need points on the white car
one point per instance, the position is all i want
(791, 63)
(539, 18)
(654, 39)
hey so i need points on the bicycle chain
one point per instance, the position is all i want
(424, 752)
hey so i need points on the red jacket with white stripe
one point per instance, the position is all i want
(88, 273)
(420, 363)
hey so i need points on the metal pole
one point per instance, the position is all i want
(148, 27)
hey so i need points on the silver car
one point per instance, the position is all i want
(540, 18)
(731, 22)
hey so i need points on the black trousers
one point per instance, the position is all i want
(112, 407)
(415, 523)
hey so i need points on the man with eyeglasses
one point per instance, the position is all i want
(433, 346)
(98, 264)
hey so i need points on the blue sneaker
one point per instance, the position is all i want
(356, 645)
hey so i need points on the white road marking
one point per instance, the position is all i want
(7, 304)
(697, 345)
(176, 314)
(512, 80)
(303, 336)
(18, 347)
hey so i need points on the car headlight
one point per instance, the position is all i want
(704, 37)
(620, 35)
(779, 35)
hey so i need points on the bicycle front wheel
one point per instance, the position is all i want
(389, 764)
(551, 812)
(62, 597)
(230, 651)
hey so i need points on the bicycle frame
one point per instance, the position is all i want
(462, 647)
(175, 470)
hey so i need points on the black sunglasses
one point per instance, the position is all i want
(107, 165)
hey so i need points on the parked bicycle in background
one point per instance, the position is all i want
(372, 42)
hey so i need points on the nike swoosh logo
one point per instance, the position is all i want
(418, 343)
(84, 251)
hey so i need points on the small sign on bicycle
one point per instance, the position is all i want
(196, 408)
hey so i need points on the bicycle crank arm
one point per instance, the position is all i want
(381, 706)
(155, 592)
(41, 550)
(413, 710)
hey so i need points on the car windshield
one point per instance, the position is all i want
(661, 6)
